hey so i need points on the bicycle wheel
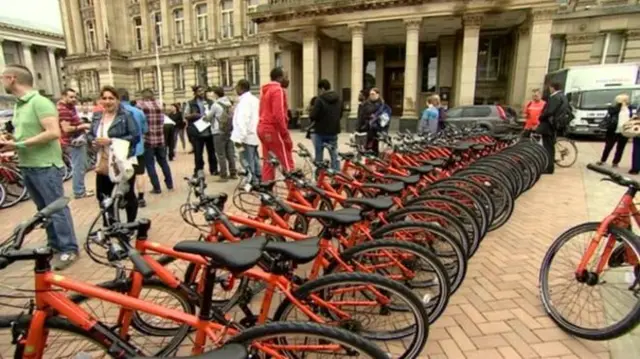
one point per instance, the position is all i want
(501, 195)
(481, 193)
(450, 205)
(14, 186)
(348, 301)
(64, 340)
(158, 336)
(315, 339)
(438, 240)
(407, 263)
(463, 197)
(592, 317)
(3, 195)
(566, 152)
(445, 219)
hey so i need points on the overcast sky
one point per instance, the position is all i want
(42, 14)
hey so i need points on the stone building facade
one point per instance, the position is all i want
(39, 50)
(469, 51)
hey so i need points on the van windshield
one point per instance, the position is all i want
(601, 99)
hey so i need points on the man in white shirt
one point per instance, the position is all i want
(245, 127)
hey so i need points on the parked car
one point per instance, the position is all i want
(494, 118)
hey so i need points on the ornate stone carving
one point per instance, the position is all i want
(413, 24)
(173, 3)
(134, 9)
(357, 29)
(153, 5)
(633, 34)
(472, 20)
(544, 14)
(582, 38)
(265, 37)
(310, 31)
(88, 13)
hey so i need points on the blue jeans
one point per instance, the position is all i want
(157, 153)
(78, 168)
(45, 186)
(318, 141)
(250, 154)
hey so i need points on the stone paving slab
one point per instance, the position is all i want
(497, 311)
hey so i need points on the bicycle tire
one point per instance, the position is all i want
(3, 195)
(12, 177)
(525, 161)
(23, 321)
(268, 331)
(572, 144)
(454, 192)
(505, 207)
(508, 169)
(441, 280)
(455, 208)
(611, 332)
(419, 329)
(533, 154)
(476, 189)
(139, 324)
(453, 224)
(457, 265)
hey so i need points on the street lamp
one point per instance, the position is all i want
(200, 63)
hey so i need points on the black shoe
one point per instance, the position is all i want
(233, 176)
(615, 165)
(633, 172)
(142, 203)
(215, 173)
(155, 191)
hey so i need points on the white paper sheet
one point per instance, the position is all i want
(201, 124)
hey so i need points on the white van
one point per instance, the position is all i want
(590, 107)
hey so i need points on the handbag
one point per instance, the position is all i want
(631, 128)
(102, 163)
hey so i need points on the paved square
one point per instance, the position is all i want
(495, 314)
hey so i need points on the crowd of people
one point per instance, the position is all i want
(214, 126)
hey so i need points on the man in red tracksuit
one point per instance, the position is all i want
(273, 124)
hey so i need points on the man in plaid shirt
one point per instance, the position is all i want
(74, 140)
(154, 146)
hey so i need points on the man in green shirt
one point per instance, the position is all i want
(36, 140)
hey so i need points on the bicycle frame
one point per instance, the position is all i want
(620, 217)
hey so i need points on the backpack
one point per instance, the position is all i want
(565, 116)
(225, 122)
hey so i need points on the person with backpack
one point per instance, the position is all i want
(555, 117)
(221, 118)
(325, 115)
(617, 116)
(532, 111)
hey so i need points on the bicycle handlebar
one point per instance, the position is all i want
(24, 228)
(614, 176)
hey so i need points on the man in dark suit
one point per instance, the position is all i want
(553, 115)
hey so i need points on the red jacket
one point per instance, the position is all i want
(273, 108)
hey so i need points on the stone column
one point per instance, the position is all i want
(101, 23)
(238, 17)
(266, 56)
(167, 21)
(518, 82)
(78, 27)
(466, 88)
(66, 25)
(329, 52)
(147, 34)
(213, 19)
(357, 63)
(53, 71)
(446, 60)
(411, 72)
(540, 46)
(380, 67)
(310, 63)
(187, 10)
(27, 56)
